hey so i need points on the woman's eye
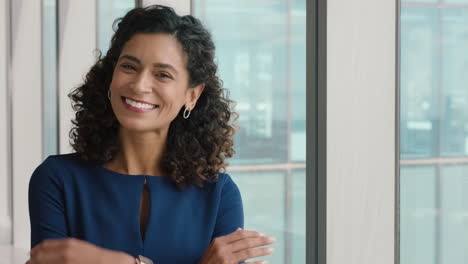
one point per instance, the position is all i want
(163, 75)
(127, 66)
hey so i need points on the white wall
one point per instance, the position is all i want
(5, 192)
(77, 42)
(361, 131)
(26, 87)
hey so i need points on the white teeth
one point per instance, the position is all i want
(138, 104)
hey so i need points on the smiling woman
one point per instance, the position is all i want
(152, 130)
(152, 80)
(161, 59)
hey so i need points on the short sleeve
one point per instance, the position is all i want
(231, 211)
(46, 205)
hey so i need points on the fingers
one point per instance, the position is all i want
(251, 243)
(244, 244)
(253, 253)
(240, 234)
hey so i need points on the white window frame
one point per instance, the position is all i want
(362, 131)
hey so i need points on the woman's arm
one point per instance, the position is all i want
(231, 212)
(75, 251)
(50, 240)
(46, 205)
(230, 242)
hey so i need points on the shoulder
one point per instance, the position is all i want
(226, 184)
(222, 179)
(54, 166)
(61, 161)
(64, 161)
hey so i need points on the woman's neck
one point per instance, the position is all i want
(140, 153)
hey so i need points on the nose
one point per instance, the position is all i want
(142, 83)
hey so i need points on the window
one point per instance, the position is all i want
(261, 54)
(108, 11)
(434, 131)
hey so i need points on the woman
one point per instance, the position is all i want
(151, 134)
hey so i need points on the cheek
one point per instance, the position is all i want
(172, 97)
(117, 81)
(172, 102)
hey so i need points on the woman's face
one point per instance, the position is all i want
(150, 83)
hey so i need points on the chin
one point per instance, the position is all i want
(140, 125)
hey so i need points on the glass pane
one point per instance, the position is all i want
(434, 197)
(456, 1)
(455, 82)
(421, 1)
(108, 11)
(261, 54)
(49, 79)
(263, 196)
(420, 67)
(418, 215)
(298, 80)
(251, 38)
(298, 227)
(454, 214)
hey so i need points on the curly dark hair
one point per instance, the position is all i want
(196, 147)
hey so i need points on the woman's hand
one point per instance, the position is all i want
(75, 251)
(237, 246)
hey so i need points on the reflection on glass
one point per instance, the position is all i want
(420, 67)
(261, 54)
(298, 80)
(108, 11)
(434, 124)
(455, 82)
(251, 38)
(456, 2)
(434, 94)
(49, 79)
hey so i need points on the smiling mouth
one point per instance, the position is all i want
(138, 106)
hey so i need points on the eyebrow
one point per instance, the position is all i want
(157, 65)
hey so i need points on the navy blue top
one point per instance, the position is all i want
(72, 198)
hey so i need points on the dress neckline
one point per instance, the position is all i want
(100, 167)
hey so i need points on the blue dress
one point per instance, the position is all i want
(72, 198)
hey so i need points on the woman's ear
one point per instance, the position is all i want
(193, 94)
